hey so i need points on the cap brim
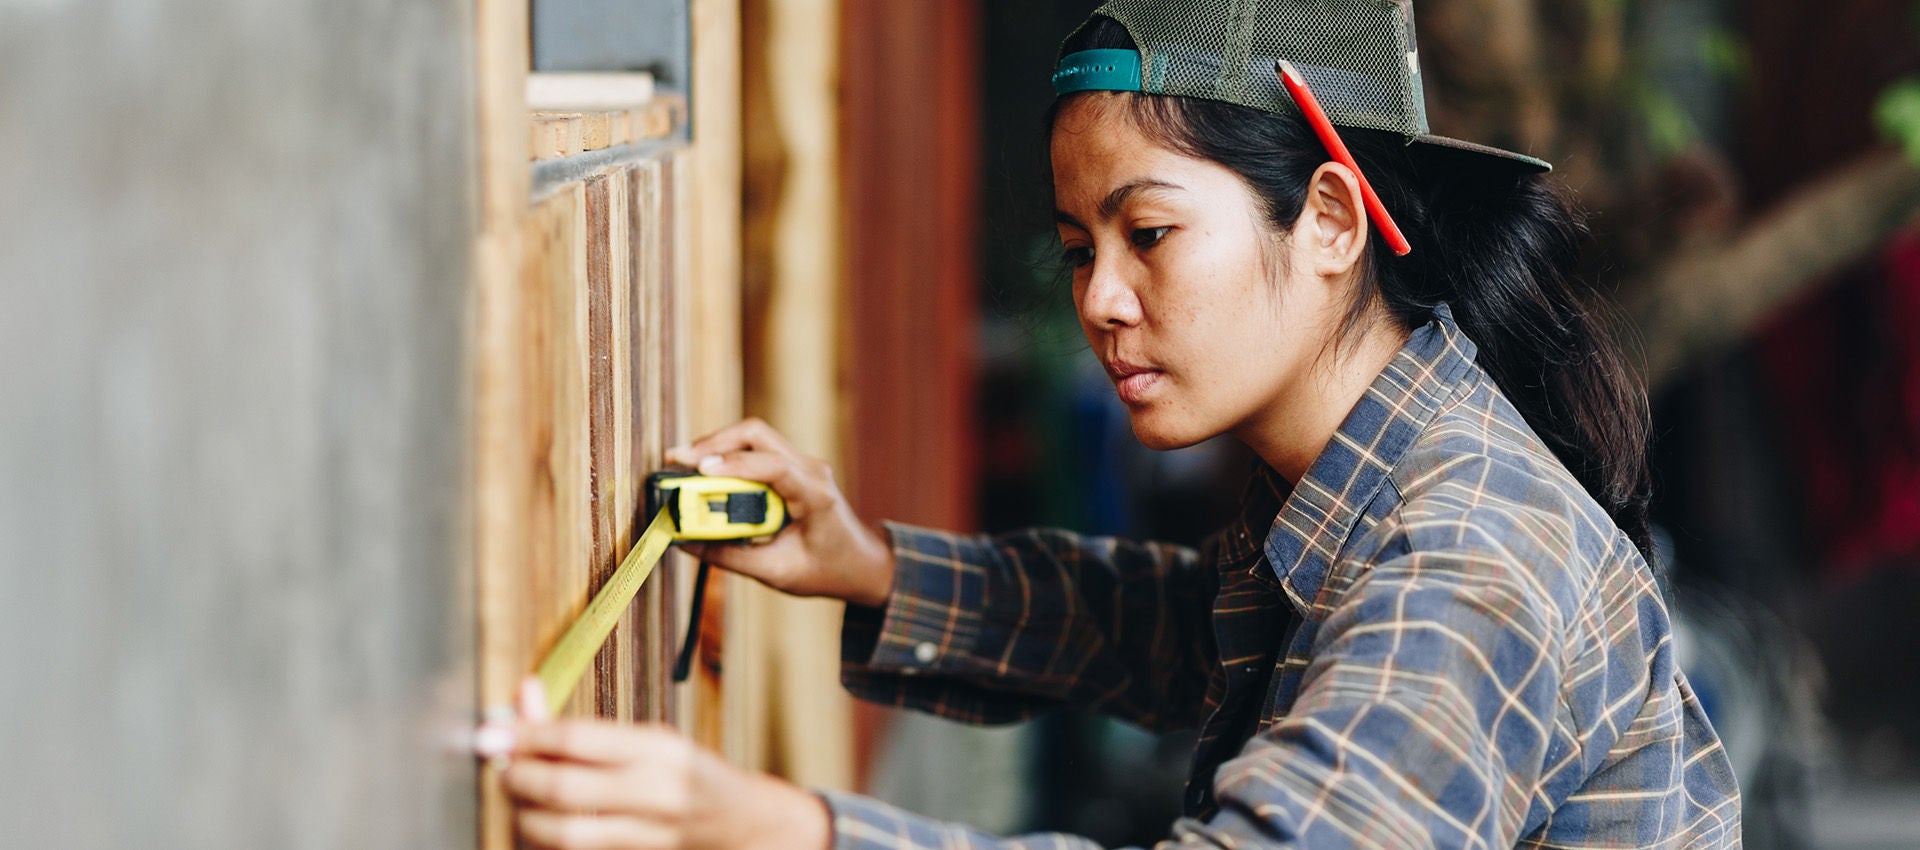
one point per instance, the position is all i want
(1470, 153)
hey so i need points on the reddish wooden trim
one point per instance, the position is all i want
(910, 145)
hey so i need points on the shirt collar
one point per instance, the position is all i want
(1316, 518)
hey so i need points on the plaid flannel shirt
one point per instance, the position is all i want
(1439, 641)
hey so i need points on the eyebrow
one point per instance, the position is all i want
(1111, 206)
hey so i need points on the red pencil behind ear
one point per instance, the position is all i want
(1323, 127)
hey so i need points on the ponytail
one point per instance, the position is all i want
(1502, 253)
(1500, 248)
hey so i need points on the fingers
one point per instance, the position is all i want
(773, 563)
(578, 831)
(596, 742)
(793, 482)
(570, 787)
(748, 434)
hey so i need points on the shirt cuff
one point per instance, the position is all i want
(932, 619)
(863, 823)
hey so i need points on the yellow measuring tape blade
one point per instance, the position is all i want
(570, 657)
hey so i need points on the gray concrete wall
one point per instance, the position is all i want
(234, 596)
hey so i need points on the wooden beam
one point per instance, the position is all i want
(793, 268)
(627, 355)
(658, 118)
(558, 578)
(610, 482)
(652, 224)
(713, 369)
(676, 246)
(501, 476)
(910, 119)
(556, 134)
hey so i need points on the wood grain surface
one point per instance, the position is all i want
(608, 312)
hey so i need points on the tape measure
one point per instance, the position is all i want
(711, 507)
(684, 506)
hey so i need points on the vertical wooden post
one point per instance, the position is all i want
(500, 448)
(713, 343)
(793, 276)
(911, 120)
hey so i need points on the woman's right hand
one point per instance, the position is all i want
(824, 551)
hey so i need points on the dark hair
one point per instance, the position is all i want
(1499, 247)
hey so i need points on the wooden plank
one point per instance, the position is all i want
(557, 576)
(658, 118)
(620, 127)
(911, 268)
(714, 368)
(911, 277)
(553, 135)
(644, 641)
(594, 131)
(676, 245)
(657, 644)
(601, 487)
(587, 92)
(628, 471)
(792, 116)
(556, 134)
(502, 474)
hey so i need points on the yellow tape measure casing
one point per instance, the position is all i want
(712, 507)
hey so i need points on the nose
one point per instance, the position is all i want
(1109, 299)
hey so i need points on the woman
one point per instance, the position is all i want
(1433, 623)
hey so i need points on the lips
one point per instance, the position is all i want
(1134, 383)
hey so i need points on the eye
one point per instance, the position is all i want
(1077, 256)
(1148, 237)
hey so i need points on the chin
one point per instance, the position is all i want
(1165, 436)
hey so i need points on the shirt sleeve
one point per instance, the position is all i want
(1423, 721)
(992, 629)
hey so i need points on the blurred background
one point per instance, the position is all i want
(253, 257)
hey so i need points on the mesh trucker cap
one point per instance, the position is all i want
(1358, 57)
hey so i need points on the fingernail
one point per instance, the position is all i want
(533, 700)
(492, 741)
(710, 463)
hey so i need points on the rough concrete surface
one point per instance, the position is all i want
(234, 603)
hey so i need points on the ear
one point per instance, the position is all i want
(1333, 226)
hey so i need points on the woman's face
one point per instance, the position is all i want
(1186, 294)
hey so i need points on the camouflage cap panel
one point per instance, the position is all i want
(1357, 55)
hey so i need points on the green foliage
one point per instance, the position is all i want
(1897, 112)
(1725, 53)
(1669, 129)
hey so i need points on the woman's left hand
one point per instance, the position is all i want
(599, 784)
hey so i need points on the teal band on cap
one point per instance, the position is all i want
(1098, 70)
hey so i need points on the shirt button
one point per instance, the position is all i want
(925, 653)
